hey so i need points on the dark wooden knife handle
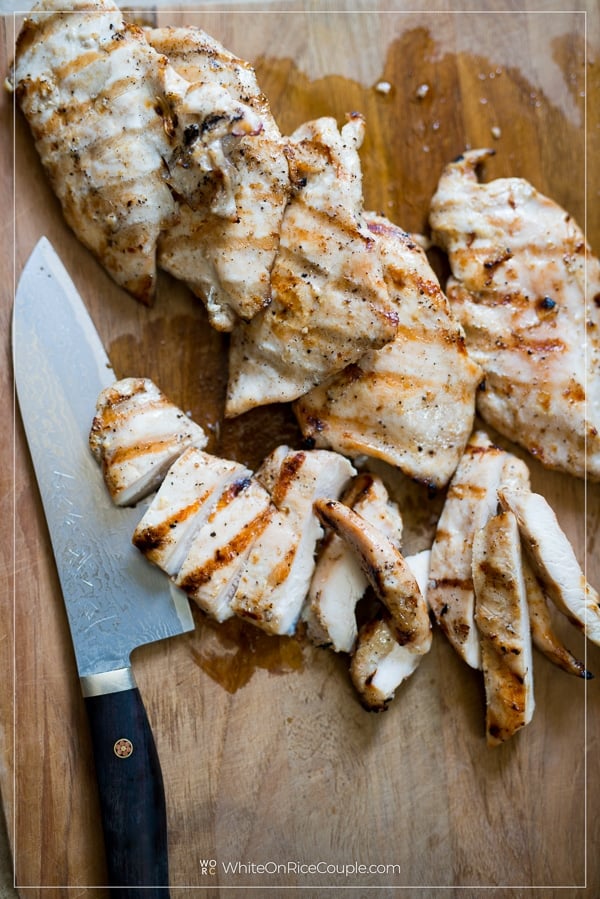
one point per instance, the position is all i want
(132, 798)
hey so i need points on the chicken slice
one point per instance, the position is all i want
(515, 476)
(380, 664)
(389, 649)
(226, 259)
(211, 570)
(330, 303)
(411, 403)
(189, 491)
(135, 436)
(338, 581)
(471, 499)
(110, 119)
(542, 629)
(554, 561)
(525, 287)
(387, 572)
(502, 618)
(276, 577)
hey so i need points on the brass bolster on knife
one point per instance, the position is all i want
(107, 682)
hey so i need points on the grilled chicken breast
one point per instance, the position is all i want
(182, 504)
(87, 84)
(525, 287)
(119, 131)
(554, 560)
(411, 403)
(275, 579)
(502, 618)
(330, 303)
(338, 581)
(224, 243)
(135, 436)
(471, 499)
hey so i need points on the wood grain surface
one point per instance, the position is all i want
(268, 758)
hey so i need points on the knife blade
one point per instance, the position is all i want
(115, 601)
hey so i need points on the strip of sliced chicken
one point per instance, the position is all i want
(339, 581)
(330, 303)
(554, 561)
(525, 286)
(543, 631)
(387, 572)
(412, 402)
(182, 504)
(276, 576)
(227, 234)
(101, 104)
(136, 435)
(379, 664)
(515, 476)
(471, 499)
(502, 618)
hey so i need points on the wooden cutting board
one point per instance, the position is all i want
(268, 758)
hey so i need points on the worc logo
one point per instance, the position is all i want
(208, 866)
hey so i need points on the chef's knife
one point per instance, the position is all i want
(115, 600)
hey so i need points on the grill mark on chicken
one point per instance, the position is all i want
(149, 540)
(235, 548)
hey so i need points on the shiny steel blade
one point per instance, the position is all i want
(115, 599)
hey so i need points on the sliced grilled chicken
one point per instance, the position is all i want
(554, 560)
(502, 618)
(182, 504)
(339, 581)
(380, 664)
(544, 635)
(224, 243)
(276, 576)
(389, 649)
(412, 402)
(472, 498)
(135, 436)
(211, 570)
(330, 303)
(515, 476)
(387, 572)
(525, 287)
(108, 113)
